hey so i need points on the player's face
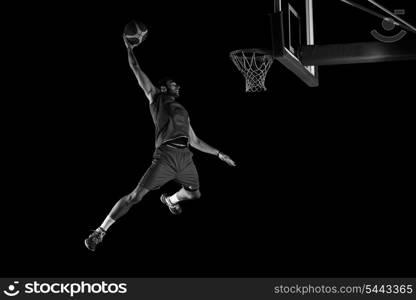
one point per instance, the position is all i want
(173, 88)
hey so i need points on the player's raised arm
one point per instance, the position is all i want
(144, 81)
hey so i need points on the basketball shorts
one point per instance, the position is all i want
(171, 164)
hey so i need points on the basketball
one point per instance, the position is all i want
(135, 32)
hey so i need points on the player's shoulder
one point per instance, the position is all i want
(154, 96)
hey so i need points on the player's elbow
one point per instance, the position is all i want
(149, 91)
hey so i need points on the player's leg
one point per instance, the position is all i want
(123, 205)
(156, 175)
(119, 209)
(185, 194)
(173, 201)
(188, 178)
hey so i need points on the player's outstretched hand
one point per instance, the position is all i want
(126, 43)
(227, 159)
(129, 46)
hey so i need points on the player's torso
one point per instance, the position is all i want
(170, 117)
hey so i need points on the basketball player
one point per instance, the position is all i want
(172, 159)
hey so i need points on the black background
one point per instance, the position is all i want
(321, 186)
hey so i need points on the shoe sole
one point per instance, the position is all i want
(86, 245)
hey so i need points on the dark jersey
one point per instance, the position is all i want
(170, 118)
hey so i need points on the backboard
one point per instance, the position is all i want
(292, 26)
(293, 41)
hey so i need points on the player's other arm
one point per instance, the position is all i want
(144, 81)
(200, 145)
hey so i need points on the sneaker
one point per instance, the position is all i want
(174, 208)
(94, 239)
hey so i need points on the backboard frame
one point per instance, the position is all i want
(282, 49)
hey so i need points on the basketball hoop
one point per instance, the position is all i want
(254, 65)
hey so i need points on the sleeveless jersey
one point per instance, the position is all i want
(170, 118)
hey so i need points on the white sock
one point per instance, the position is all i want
(174, 199)
(107, 223)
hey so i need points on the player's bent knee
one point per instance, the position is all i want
(137, 195)
(195, 194)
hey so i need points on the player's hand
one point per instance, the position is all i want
(227, 159)
(126, 42)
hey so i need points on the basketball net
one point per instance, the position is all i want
(254, 65)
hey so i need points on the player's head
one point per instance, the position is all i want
(169, 86)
